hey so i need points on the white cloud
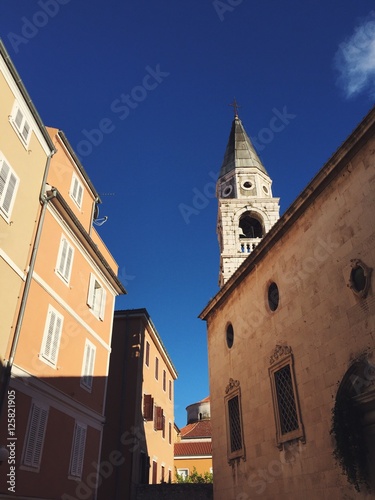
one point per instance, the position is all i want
(355, 59)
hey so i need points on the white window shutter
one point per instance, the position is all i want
(35, 436)
(102, 304)
(91, 293)
(88, 365)
(63, 251)
(18, 118)
(68, 264)
(79, 195)
(78, 450)
(50, 331)
(9, 193)
(4, 172)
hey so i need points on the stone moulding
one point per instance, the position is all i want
(281, 351)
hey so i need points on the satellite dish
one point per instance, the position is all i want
(96, 220)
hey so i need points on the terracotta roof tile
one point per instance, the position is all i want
(197, 430)
(183, 449)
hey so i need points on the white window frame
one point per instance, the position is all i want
(34, 438)
(20, 124)
(77, 455)
(64, 262)
(96, 298)
(9, 183)
(184, 473)
(76, 191)
(88, 365)
(51, 337)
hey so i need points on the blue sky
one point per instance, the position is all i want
(141, 89)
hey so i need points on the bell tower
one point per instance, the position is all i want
(247, 210)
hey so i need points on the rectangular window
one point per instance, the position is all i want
(183, 473)
(235, 443)
(78, 450)
(170, 390)
(96, 298)
(154, 472)
(162, 473)
(8, 188)
(157, 368)
(88, 365)
(170, 433)
(20, 124)
(164, 380)
(51, 338)
(163, 427)
(35, 435)
(65, 259)
(76, 191)
(147, 354)
(148, 407)
(287, 414)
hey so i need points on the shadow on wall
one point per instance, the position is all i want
(52, 431)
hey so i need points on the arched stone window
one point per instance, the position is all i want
(353, 424)
(251, 226)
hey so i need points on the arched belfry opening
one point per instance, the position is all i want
(250, 226)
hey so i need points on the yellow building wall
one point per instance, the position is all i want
(17, 233)
(159, 448)
(202, 465)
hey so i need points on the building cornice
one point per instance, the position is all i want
(66, 212)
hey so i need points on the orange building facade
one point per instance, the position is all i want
(61, 356)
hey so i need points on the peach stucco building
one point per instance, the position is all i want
(61, 360)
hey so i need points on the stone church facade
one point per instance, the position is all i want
(291, 338)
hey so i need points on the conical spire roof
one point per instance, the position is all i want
(240, 152)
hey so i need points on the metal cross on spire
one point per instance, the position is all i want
(235, 107)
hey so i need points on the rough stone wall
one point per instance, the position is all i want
(175, 492)
(325, 324)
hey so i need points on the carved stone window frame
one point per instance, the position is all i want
(355, 264)
(233, 390)
(281, 357)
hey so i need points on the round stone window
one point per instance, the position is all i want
(273, 297)
(227, 191)
(230, 335)
(265, 189)
(359, 280)
(247, 185)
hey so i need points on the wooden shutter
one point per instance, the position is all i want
(35, 436)
(148, 407)
(158, 422)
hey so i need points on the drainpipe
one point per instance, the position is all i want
(44, 200)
